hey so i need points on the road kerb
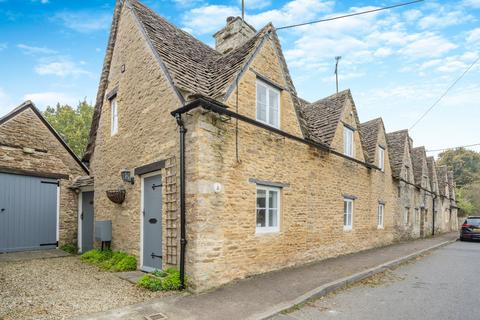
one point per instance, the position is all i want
(343, 283)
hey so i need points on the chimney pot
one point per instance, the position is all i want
(229, 19)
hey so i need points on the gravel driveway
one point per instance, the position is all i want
(59, 288)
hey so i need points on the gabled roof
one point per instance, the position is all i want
(442, 177)
(396, 149)
(431, 170)
(322, 116)
(451, 185)
(192, 67)
(29, 105)
(369, 132)
(418, 155)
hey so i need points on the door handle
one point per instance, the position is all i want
(81, 216)
(2, 210)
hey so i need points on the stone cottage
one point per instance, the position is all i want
(436, 202)
(37, 208)
(208, 160)
(402, 169)
(423, 192)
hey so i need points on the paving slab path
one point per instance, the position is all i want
(263, 296)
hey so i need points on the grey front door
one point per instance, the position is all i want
(152, 223)
(87, 221)
(28, 213)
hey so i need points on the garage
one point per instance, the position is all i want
(28, 213)
(38, 209)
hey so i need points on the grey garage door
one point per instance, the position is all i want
(28, 213)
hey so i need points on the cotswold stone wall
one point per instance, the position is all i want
(26, 130)
(146, 133)
(223, 243)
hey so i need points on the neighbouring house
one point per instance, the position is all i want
(402, 170)
(207, 159)
(448, 215)
(37, 208)
(436, 202)
(453, 202)
(423, 192)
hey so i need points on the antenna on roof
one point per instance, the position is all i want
(337, 59)
(243, 10)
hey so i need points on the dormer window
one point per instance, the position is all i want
(348, 141)
(381, 158)
(268, 104)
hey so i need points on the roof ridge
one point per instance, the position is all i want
(173, 26)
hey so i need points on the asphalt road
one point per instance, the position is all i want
(441, 285)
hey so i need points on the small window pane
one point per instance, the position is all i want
(273, 107)
(261, 102)
(261, 222)
(272, 217)
(272, 199)
(261, 199)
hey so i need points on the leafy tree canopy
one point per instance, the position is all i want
(465, 165)
(73, 124)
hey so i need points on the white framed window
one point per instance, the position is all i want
(347, 214)
(348, 146)
(381, 158)
(268, 104)
(114, 111)
(268, 209)
(380, 215)
(406, 216)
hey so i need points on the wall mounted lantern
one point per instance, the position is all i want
(126, 176)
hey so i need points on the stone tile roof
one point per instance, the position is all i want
(322, 116)
(192, 67)
(451, 185)
(431, 170)
(418, 154)
(396, 150)
(442, 176)
(369, 132)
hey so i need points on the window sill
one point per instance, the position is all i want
(261, 232)
(347, 229)
(267, 124)
(380, 227)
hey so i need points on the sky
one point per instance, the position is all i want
(396, 62)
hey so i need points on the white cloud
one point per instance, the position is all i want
(412, 15)
(84, 21)
(473, 36)
(426, 45)
(5, 102)
(383, 52)
(208, 19)
(444, 19)
(472, 3)
(3, 45)
(43, 99)
(31, 50)
(61, 67)
(211, 18)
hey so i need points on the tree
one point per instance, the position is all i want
(73, 124)
(465, 165)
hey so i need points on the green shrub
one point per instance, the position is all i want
(70, 248)
(112, 261)
(161, 280)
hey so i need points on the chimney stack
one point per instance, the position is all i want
(233, 35)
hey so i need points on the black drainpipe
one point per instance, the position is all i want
(433, 216)
(183, 240)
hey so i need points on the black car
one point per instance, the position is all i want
(470, 229)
